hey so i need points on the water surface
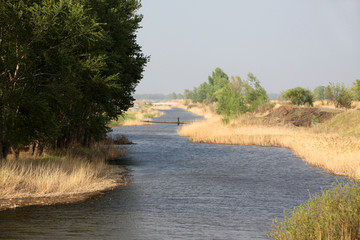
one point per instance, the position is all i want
(180, 190)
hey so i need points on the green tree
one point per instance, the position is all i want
(319, 93)
(255, 94)
(66, 68)
(230, 102)
(339, 94)
(345, 98)
(217, 81)
(299, 96)
(187, 94)
(355, 88)
(332, 91)
(203, 91)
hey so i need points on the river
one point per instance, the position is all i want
(180, 190)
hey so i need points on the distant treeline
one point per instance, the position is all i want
(66, 69)
(236, 96)
(341, 95)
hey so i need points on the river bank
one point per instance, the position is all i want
(333, 145)
(139, 114)
(60, 177)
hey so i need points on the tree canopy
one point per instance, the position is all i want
(66, 68)
(233, 97)
(299, 96)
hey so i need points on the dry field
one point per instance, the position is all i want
(333, 146)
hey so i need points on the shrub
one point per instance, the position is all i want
(299, 96)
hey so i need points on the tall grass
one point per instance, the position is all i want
(62, 173)
(332, 215)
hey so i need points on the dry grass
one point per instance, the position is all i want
(336, 153)
(138, 116)
(68, 174)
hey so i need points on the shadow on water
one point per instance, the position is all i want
(180, 190)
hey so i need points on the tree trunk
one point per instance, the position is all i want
(16, 153)
(1, 132)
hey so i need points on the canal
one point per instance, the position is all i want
(180, 190)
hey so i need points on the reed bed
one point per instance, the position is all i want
(333, 214)
(336, 154)
(75, 171)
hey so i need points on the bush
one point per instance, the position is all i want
(335, 214)
(299, 96)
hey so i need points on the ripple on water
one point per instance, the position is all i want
(180, 190)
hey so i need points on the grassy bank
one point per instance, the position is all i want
(59, 177)
(137, 115)
(333, 145)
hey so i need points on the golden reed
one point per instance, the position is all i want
(51, 176)
(335, 153)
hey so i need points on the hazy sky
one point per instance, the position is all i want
(284, 43)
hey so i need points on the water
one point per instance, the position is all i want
(180, 190)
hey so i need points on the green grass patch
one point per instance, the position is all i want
(333, 214)
(149, 115)
(121, 119)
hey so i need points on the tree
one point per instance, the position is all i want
(217, 81)
(172, 95)
(240, 96)
(203, 92)
(187, 94)
(339, 94)
(332, 91)
(355, 88)
(299, 96)
(319, 93)
(66, 68)
(230, 102)
(345, 98)
(255, 94)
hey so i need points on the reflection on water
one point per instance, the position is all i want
(180, 190)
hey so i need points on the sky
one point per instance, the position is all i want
(284, 43)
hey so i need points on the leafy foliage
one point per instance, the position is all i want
(299, 96)
(234, 97)
(356, 89)
(230, 102)
(340, 95)
(66, 69)
(319, 93)
(345, 98)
